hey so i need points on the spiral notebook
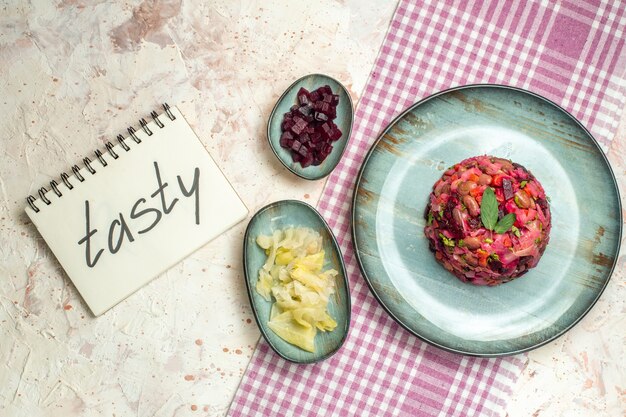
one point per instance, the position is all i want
(137, 208)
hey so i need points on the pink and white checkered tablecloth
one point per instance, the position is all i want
(569, 51)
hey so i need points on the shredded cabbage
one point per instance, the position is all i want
(292, 276)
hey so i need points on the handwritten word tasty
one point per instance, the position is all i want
(119, 228)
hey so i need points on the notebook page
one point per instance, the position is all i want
(138, 216)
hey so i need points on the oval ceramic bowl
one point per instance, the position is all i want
(280, 215)
(388, 226)
(345, 114)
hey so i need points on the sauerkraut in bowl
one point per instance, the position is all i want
(487, 220)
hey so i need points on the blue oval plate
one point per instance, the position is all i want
(345, 114)
(280, 215)
(388, 226)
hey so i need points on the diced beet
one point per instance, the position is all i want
(508, 188)
(300, 125)
(307, 160)
(308, 127)
(287, 124)
(286, 140)
(305, 110)
(326, 129)
(320, 117)
(335, 134)
(303, 96)
(297, 129)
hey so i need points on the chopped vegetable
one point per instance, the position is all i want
(293, 277)
(507, 188)
(498, 215)
(446, 241)
(308, 130)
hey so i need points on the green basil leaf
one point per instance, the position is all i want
(489, 209)
(505, 223)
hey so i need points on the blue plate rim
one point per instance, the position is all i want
(273, 114)
(356, 245)
(249, 289)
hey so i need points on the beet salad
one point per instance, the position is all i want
(488, 220)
